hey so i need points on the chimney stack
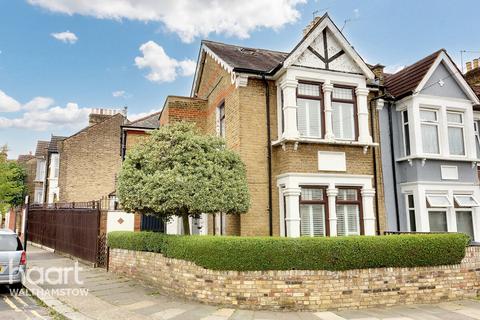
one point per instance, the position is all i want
(310, 25)
(469, 66)
(378, 72)
(100, 115)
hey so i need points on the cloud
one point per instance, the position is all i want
(38, 103)
(8, 104)
(66, 37)
(136, 116)
(394, 68)
(119, 94)
(189, 19)
(54, 118)
(162, 67)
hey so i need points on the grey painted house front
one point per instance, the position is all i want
(429, 149)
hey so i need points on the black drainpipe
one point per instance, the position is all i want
(269, 155)
(375, 174)
(394, 170)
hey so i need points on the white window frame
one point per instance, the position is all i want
(460, 205)
(408, 208)
(432, 206)
(438, 209)
(435, 123)
(456, 125)
(407, 123)
(476, 129)
(466, 209)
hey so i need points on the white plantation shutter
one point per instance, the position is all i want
(352, 217)
(340, 220)
(302, 117)
(343, 120)
(305, 220)
(318, 219)
(309, 117)
(314, 118)
(312, 220)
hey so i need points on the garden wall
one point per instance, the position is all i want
(303, 290)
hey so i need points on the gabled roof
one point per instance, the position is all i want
(412, 79)
(53, 145)
(405, 81)
(152, 121)
(22, 158)
(235, 58)
(320, 24)
(41, 150)
(245, 58)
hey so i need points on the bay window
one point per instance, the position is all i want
(348, 207)
(309, 112)
(343, 113)
(455, 125)
(406, 132)
(429, 127)
(313, 205)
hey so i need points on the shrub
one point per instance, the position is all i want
(274, 253)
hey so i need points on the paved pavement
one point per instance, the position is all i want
(20, 307)
(113, 297)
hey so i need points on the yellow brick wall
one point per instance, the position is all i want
(90, 161)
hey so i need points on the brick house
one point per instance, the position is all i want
(52, 169)
(305, 127)
(41, 154)
(90, 159)
(429, 139)
(29, 163)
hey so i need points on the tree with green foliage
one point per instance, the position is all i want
(12, 183)
(179, 172)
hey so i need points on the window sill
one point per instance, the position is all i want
(282, 141)
(430, 157)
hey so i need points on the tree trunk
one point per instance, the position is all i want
(186, 224)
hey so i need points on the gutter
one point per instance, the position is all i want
(269, 155)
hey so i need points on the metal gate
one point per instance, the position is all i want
(71, 228)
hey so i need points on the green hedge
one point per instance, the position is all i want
(274, 253)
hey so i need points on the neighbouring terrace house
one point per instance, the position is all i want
(429, 149)
(41, 154)
(304, 123)
(28, 162)
(91, 158)
(52, 189)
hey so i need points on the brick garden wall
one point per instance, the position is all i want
(303, 290)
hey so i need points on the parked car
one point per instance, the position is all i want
(13, 258)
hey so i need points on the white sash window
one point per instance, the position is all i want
(429, 125)
(343, 113)
(348, 208)
(456, 143)
(312, 212)
(309, 112)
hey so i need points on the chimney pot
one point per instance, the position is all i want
(475, 63)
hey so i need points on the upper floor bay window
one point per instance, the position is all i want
(348, 207)
(429, 127)
(309, 112)
(313, 204)
(455, 125)
(343, 113)
(54, 166)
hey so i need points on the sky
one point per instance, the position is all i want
(60, 58)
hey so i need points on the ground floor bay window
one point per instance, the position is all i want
(318, 205)
(447, 210)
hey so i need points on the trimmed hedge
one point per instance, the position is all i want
(275, 253)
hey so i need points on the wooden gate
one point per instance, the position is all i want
(71, 228)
